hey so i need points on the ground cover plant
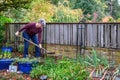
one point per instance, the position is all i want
(65, 69)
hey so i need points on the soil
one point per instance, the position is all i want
(4, 75)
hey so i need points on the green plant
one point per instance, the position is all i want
(1, 55)
(94, 60)
(21, 48)
(3, 20)
(7, 44)
(5, 54)
(25, 60)
(64, 69)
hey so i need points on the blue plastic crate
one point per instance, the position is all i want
(4, 63)
(25, 67)
(8, 49)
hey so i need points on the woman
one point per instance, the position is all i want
(29, 32)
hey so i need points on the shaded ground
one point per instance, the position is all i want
(4, 75)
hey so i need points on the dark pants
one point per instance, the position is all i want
(26, 44)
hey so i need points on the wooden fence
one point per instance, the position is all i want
(105, 35)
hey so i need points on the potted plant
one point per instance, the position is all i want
(5, 59)
(7, 47)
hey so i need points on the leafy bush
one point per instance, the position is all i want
(53, 13)
(66, 14)
(3, 20)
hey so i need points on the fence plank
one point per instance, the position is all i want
(100, 35)
(118, 36)
(113, 36)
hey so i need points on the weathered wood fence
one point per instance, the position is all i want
(105, 35)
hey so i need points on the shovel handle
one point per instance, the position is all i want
(32, 43)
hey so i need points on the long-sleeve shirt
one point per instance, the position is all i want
(31, 29)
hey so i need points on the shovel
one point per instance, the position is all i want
(44, 50)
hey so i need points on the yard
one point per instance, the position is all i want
(93, 66)
(78, 56)
(80, 39)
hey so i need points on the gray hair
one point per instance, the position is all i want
(42, 21)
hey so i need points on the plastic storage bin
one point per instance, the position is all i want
(7, 49)
(4, 63)
(25, 67)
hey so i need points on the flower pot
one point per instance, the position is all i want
(4, 63)
(25, 67)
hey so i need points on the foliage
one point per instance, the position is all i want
(3, 20)
(91, 6)
(62, 70)
(115, 12)
(15, 9)
(52, 13)
(40, 9)
(93, 60)
(5, 54)
(13, 4)
(29, 60)
(66, 14)
(108, 19)
(21, 48)
(55, 2)
(59, 10)
(118, 20)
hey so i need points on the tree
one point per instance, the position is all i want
(8, 4)
(40, 9)
(53, 13)
(55, 2)
(91, 6)
(3, 20)
(64, 13)
(14, 9)
(115, 9)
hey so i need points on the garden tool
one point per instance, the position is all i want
(44, 51)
